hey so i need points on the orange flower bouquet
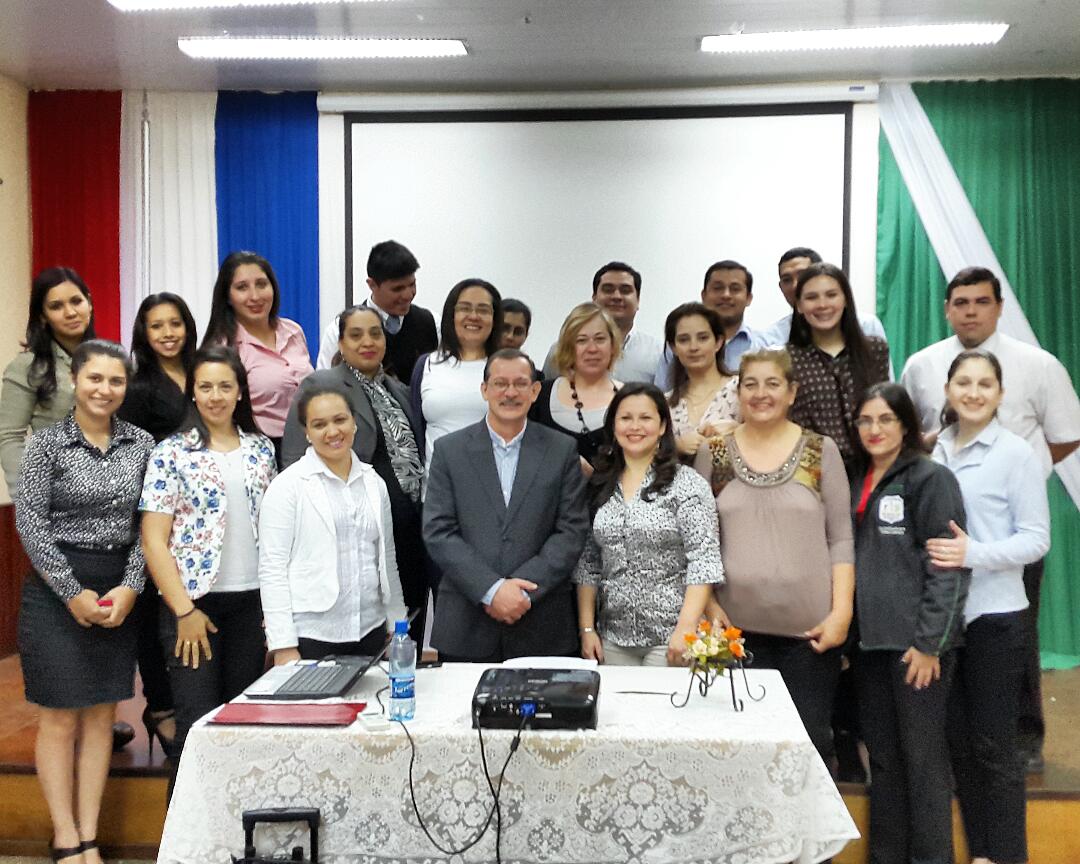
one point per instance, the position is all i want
(711, 649)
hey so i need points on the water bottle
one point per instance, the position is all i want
(402, 656)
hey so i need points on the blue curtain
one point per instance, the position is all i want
(267, 155)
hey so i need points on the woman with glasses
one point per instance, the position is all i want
(575, 403)
(910, 620)
(445, 386)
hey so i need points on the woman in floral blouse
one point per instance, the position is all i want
(200, 504)
(653, 553)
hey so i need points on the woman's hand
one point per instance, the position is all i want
(286, 655)
(676, 647)
(84, 608)
(586, 467)
(923, 669)
(719, 428)
(715, 613)
(591, 647)
(689, 443)
(830, 633)
(123, 601)
(948, 552)
(192, 635)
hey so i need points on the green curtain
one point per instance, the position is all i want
(1015, 146)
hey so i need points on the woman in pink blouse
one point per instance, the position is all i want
(244, 315)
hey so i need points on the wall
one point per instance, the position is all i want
(14, 291)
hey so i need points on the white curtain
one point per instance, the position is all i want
(948, 217)
(168, 210)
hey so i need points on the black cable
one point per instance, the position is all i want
(495, 791)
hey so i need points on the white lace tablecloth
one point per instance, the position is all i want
(652, 783)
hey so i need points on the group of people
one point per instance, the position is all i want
(777, 482)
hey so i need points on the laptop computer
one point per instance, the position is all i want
(316, 679)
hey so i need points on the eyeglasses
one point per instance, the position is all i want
(501, 385)
(483, 310)
(886, 421)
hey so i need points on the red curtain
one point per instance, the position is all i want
(75, 192)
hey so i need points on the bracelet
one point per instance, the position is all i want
(189, 612)
(584, 630)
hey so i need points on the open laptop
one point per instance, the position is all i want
(316, 679)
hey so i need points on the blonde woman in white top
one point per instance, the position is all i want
(705, 398)
(327, 566)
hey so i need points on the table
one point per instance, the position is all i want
(652, 783)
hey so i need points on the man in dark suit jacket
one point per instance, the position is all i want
(410, 329)
(505, 520)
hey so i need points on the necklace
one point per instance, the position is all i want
(578, 404)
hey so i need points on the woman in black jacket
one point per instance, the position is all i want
(910, 618)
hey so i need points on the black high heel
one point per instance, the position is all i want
(152, 731)
(66, 852)
(122, 735)
(87, 845)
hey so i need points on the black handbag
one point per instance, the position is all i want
(251, 818)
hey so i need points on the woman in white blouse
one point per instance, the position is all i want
(327, 568)
(445, 385)
(1008, 526)
(705, 398)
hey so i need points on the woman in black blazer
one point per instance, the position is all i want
(386, 438)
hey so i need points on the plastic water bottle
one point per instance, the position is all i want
(402, 656)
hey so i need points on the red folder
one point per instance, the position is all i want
(284, 714)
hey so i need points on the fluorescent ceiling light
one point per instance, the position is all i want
(912, 36)
(316, 48)
(173, 5)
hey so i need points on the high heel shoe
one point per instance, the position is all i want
(87, 845)
(152, 724)
(65, 852)
(122, 735)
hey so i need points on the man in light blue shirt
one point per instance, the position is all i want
(729, 289)
(505, 520)
(792, 263)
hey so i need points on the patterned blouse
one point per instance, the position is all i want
(184, 480)
(643, 554)
(828, 391)
(724, 407)
(398, 435)
(73, 493)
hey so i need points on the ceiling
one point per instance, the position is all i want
(521, 44)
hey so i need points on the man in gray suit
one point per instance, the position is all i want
(505, 520)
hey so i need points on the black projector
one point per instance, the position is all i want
(555, 698)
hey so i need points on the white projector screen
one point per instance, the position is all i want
(537, 206)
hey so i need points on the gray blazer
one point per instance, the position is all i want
(476, 539)
(294, 441)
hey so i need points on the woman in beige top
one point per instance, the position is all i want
(705, 398)
(38, 389)
(785, 530)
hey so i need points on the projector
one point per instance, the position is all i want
(555, 698)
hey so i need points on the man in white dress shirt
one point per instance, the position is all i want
(1039, 404)
(617, 289)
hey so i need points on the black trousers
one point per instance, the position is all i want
(982, 724)
(152, 669)
(1032, 726)
(238, 652)
(810, 678)
(369, 646)
(910, 782)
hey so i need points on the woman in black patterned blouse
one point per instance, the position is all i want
(833, 361)
(76, 517)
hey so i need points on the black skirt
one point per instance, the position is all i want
(64, 664)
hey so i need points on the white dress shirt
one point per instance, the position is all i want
(1008, 516)
(1039, 404)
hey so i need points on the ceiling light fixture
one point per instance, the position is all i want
(316, 48)
(180, 5)
(908, 36)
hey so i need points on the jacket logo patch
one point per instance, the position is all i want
(891, 509)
